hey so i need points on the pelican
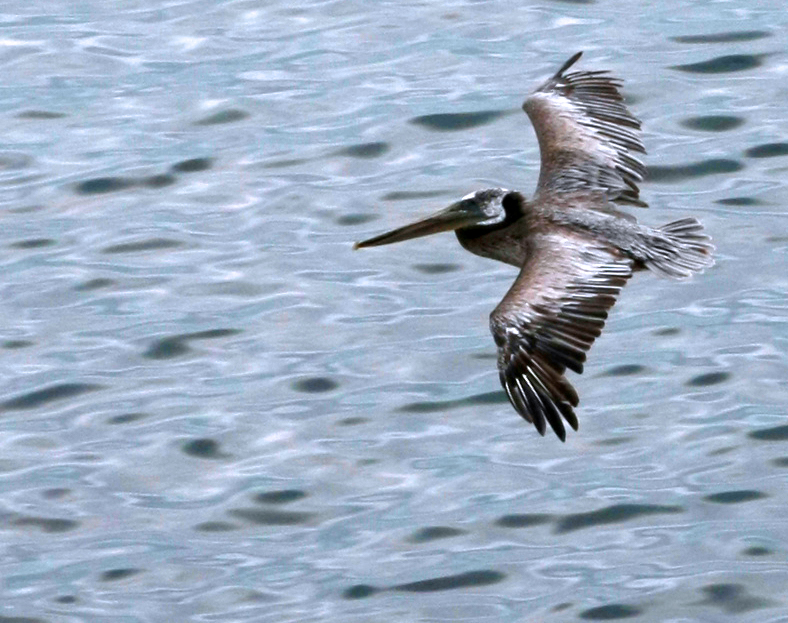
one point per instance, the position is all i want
(574, 247)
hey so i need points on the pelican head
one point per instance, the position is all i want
(487, 209)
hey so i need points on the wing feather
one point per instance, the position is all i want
(549, 319)
(587, 137)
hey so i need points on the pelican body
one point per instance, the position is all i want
(574, 247)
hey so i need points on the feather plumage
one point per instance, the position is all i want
(574, 247)
(587, 137)
(549, 319)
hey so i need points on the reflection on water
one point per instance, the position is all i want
(723, 64)
(450, 122)
(212, 408)
(723, 37)
(713, 123)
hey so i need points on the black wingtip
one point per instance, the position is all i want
(568, 64)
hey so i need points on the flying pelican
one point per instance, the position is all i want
(575, 249)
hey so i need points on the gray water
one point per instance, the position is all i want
(212, 409)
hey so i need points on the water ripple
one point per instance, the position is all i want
(724, 37)
(210, 401)
(723, 64)
(40, 397)
(616, 513)
(450, 122)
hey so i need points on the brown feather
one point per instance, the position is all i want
(587, 136)
(550, 318)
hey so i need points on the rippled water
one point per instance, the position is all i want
(212, 409)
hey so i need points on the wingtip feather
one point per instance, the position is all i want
(575, 57)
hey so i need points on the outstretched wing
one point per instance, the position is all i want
(549, 319)
(587, 137)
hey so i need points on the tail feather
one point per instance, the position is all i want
(680, 249)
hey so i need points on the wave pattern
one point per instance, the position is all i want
(210, 407)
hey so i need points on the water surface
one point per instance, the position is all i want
(212, 409)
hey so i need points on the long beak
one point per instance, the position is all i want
(460, 214)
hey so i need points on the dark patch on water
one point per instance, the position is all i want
(282, 496)
(315, 385)
(735, 497)
(160, 180)
(223, 116)
(13, 344)
(355, 219)
(94, 284)
(126, 418)
(55, 493)
(211, 334)
(101, 185)
(436, 269)
(679, 172)
(192, 165)
(365, 150)
(14, 161)
(627, 369)
(271, 517)
(487, 398)
(40, 114)
(113, 575)
(203, 448)
(713, 123)
(768, 150)
(614, 441)
(433, 533)
(167, 348)
(780, 461)
(525, 520)
(667, 331)
(46, 524)
(427, 407)
(360, 591)
(757, 550)
(63, 599)
(151, 244)
(723, 37)
(353, 421)
(39, 397)
(178, 345)
(407, 195)
(4, 619)
(618, 513)
(722, 451)
(610, 612)
(723, 64)
(733, 598)
(215, 526)
(710, 378)
(283, 164)
(738, 201)
(775, 433)
(452, 122)
(469, 579)
(33, 243)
